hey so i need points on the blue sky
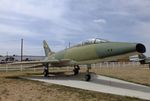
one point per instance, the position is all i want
(63, 21)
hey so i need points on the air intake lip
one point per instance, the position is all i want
(140, 48)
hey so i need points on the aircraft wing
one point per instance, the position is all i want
(52, 61)
(36, 62)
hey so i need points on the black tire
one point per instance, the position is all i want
(78, 67)
(87, 77)
(45, 73)
(76, 71)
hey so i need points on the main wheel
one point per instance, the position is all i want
(76, 69)
(87, 77)
(45, 73)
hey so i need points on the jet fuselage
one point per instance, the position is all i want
(97, 52)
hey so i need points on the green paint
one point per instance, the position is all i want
(92, 52)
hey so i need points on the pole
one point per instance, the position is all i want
(6, 57)
(21, 50)
(69, 44)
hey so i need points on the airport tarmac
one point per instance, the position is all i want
(99, 84)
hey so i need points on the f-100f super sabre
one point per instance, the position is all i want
(87, 53)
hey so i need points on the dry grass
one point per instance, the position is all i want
(133, 74)
(14, 89)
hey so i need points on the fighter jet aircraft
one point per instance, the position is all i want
(87, 53)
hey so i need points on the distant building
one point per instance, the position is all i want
(14, 58)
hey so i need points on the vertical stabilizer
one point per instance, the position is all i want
(46, 48)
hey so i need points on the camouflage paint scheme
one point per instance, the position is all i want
(89, 52)
(93, 53)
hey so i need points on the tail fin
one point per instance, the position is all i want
(46, 49)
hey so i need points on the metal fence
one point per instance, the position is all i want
(8, 67)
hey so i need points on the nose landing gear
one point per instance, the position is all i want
(88, 75)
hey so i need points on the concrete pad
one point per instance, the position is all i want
(99, 84)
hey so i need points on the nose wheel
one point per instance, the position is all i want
(88, 75)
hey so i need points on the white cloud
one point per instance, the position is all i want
(101, 21)
(15, 31)
(47, 9)
(62, 21)
(143, 29)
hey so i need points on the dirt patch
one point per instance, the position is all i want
(13, 88)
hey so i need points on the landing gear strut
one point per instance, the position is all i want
(76, 69)
(88, 75)
(46, 70)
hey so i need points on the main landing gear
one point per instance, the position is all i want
(76, 69)
(46, 70)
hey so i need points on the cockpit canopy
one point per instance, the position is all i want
(92, 41)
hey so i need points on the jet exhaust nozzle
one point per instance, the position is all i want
(140, 48)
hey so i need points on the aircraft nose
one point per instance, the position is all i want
(140, 48)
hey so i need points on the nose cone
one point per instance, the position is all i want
(140, 48)
(119, 48)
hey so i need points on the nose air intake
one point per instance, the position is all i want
(140, 48)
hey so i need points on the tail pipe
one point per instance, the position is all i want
(140, 48)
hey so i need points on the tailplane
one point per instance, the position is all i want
(47, 49)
